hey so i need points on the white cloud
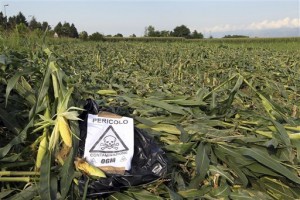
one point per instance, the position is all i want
(265, 24)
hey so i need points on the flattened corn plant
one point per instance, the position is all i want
(226, 114)
(53, 121)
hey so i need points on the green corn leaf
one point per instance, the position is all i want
(13, 81)
(239, 172)
(142, 194)
(187, 102)
(28, 193)
(5, 193)
(144, 121)
(218, 170)
(120, 196)
(67, 171)
(67, 174)
(221, 191)
(43, 90)
(20, 138)
(46, 189)
(195, 193)
(180, 148)
(282, 134)
(271, 163)
(63, 104)
(277, 189)
(202, 160)
(166, 106)
(9, 121)
(173, 195)
(248, 194)
(168, 128)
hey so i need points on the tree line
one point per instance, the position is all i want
(20, 23)
(67, 29)
(178, 31)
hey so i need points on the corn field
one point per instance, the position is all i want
(226, 113)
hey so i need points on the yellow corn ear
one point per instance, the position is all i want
(43, 144)
(64, 131)
(41, 152)
(88, 169)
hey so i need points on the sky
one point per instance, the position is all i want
(216, 18)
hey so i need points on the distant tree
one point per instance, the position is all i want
(181, 31)
(15, 20)
(149, 31)
(2, 20)
(66, 29)
(33, 24)
(11, 23)
(108, 35)
(73, 31)
(133, 35)
(58, 29)
(165, 33)
(45, 25)
(236, 36)
(96, 36)
(118, 35)
(20, 18)
(196, 35)
(83, 35)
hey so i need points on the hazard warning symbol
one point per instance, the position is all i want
(109, 141)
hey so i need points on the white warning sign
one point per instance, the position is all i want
(109, 141)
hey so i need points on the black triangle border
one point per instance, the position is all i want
(105, 132)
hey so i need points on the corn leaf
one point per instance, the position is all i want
(27, 193)
(13, 81)
(166, 106)
(142, 194)
(271, 163)
(202, 160)
(47, 189)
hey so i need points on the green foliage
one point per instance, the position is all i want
(196, 35)
(66, 30)
(96, 37)
(83, 35)
(226, 112)
(151, 32)
(16, 20)
(181, 31)
(118, 35)
(236, 36)
(21, 29)
(33, 24)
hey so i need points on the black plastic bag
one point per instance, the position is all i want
(147, 165)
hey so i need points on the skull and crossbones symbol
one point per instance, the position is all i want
(109, 143)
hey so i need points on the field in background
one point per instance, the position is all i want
(226, 111)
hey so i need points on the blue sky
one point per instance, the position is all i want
(128, 17)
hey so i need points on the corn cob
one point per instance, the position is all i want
(88, 169)
(64, 131)
(41, 152)
(43, 145)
